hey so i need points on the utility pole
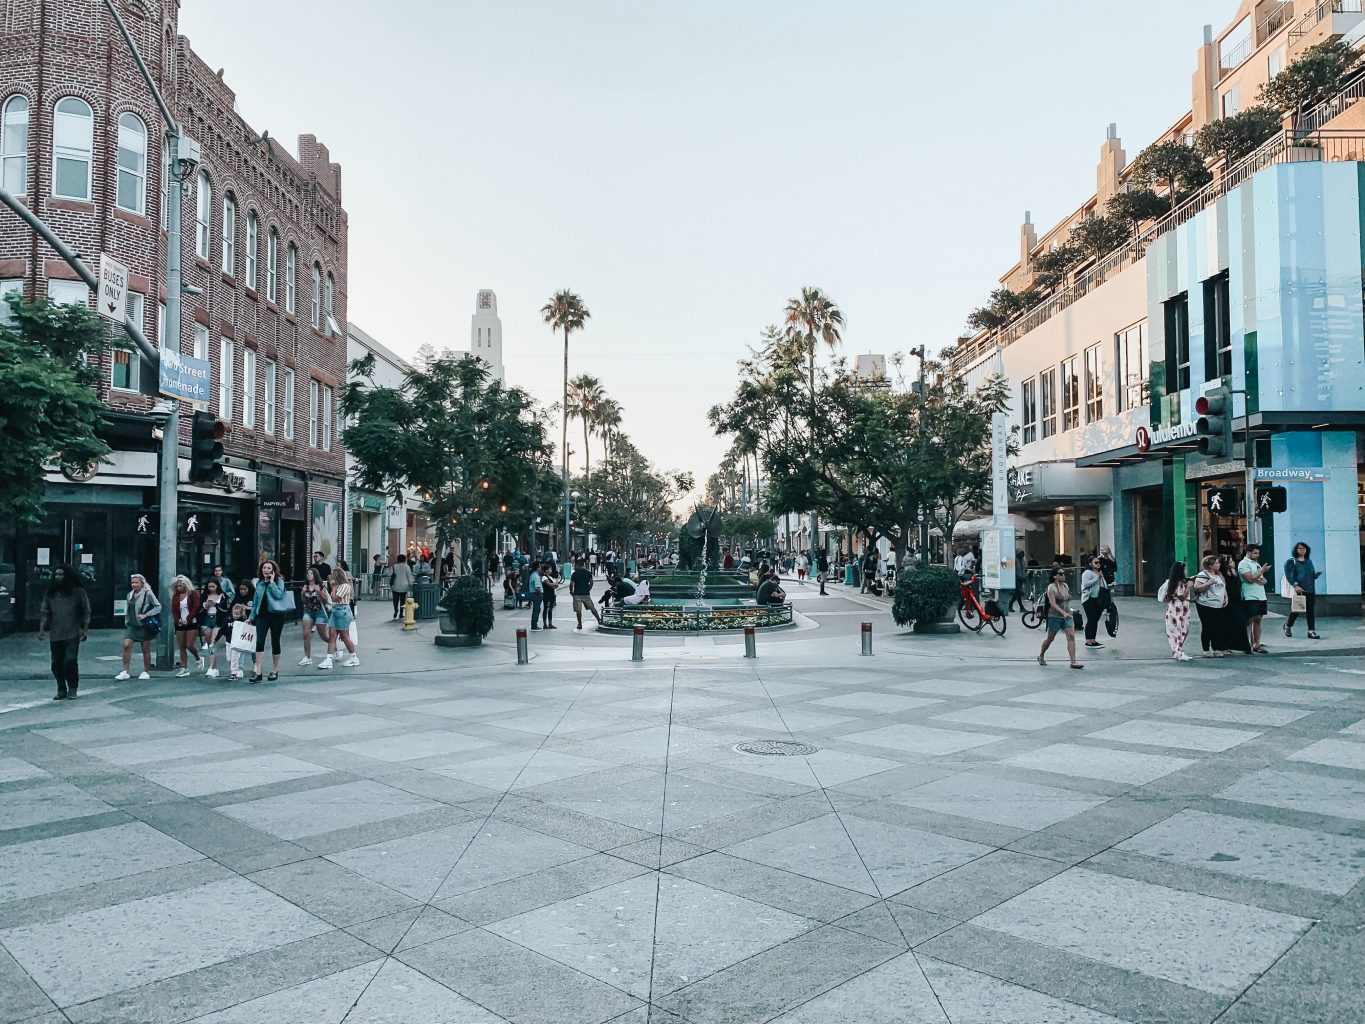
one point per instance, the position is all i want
(923, 447)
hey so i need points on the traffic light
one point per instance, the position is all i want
(206, 448)
(1214, 428)
(1223, 501)
(1271, 499)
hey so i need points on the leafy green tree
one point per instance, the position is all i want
(626, 499)
(1178, 168)
(50, 410)
(1126, 210)
(474, 449)
(1050, 267)
(747, 528)
(1231, 138)
(1004, 307)
(1315, 76)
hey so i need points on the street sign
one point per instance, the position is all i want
(113, 289)
(184, 377)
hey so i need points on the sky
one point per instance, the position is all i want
(686, 167)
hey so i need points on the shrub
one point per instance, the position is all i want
(923, 593)
(1135, 206)
(1231, 138)
(1317, 75)
(470, 604)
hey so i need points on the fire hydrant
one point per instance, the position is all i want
(409, 614)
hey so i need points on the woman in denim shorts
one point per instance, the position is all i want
(1059, 617)
(339, 623)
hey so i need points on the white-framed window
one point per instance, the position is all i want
(288, 404)
(249, 388)
(160, 323)
(1094, 384)
(314, 397)
(1071, 394)
(253, 242)
(73, 142)
(132, 164)
(1232, 101)
(327, 411)
(272, 263)
(229, 234)
(203, 215)
(270, 383)
(14, 145)
(201, 342)
(330, 296)
(227, 366)
(1274, 63)
(68, 293)
(1047, 400)
(125, 372)
(9, 286)
(165, 184)
(291, 277)
(317, 296)
(1028, 409)
(1134, 366)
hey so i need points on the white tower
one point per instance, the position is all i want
(485, 332)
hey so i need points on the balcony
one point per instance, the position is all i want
(1325, 21)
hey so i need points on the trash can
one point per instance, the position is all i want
(850, 575)
(426, 594)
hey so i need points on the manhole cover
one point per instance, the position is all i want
(776, 748)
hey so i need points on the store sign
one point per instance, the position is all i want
(1302, 476)
(283, 501)
(1156, 438)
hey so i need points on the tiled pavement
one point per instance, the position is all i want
(974, 844)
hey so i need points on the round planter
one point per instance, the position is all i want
(458, 640)
(945, 624)
(447, 622)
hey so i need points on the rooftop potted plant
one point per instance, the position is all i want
(926, 595)
(466, 613)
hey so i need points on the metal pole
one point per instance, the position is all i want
(867, 640)
(637, 645)
(750, 644)
(923, 440)
(523, 657)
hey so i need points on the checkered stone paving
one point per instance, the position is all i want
(927, 841)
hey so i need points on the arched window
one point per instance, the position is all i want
(291, 277)
(331, 295)
(272, 264)
(317, 296)
(229, 261)
(72, 145)
(165, 183)
(132, 164)
(14, 146)
(203, 215)
(253, 239)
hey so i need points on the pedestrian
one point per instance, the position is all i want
(214, 613)
(376, 572)
(535, 590)
(141, 623)
(1302, 577)
(1235, 635)
(1020, 584)
(225, 586)
(869, 569)
(65, 622)
(1254, 606)
(802, 568)
(580, 589)
(1210, 602)
(400, 583)
(592, 563)
(549, 585)
(1108, 566)
(340, 620)
(1094, 591)
(320, 564)
(1176, 592)
(185, 607)
(1059, 618)
(314, 602)
(350, 578)
(268, 609)
(238, 612)
(822, 570)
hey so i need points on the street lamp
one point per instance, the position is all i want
(918, 351)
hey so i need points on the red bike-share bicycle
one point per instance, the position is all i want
(975, 615)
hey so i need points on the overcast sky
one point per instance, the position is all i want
(688, 166)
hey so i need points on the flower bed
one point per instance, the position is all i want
(681, 619)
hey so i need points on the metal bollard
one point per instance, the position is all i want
(750, 643)
(637, 645)
(867, 639)
(523, 658)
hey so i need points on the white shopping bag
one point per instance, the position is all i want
(353, 631)
(243, 637)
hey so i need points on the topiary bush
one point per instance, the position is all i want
(470, 604)
(923, 593)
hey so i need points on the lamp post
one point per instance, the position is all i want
(923, 437)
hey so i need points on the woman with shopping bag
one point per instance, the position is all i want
(1300, 580)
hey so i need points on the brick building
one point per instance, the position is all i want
(264, 256)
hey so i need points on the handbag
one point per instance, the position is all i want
(1286, 588)
(1077, 619)
(243, 637)
(152, 623)
(1299, 604)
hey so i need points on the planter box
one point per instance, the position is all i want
(450, 635)
(945, 624)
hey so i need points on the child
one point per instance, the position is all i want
(239, 612)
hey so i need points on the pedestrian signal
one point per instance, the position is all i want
(1222, 501)
(1271, 499)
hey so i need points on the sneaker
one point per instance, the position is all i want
(1290, 633)
(211, 673)
(325, 664)
(352, 661)
(121, 676)
(1313, 636)
(182, 673)
(1093, 643)
(144, 675)
(1182, 656)
(205, 663)
(307, 659)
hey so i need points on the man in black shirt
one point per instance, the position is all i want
(580, 589)
(769, 592)
(324, 570)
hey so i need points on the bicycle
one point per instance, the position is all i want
(975, 615)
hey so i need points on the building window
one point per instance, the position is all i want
(289, 404)
(1047, 393)
(1177, 316)
(325, 415)
(203, 215)
(1028, 409)
(125, 374)
(1275, 62)
(227, 366)
(330, 302)
(270, 383)
(1094, 384)
(1232, 101)
(253, 241)
(229, 235)
(14, 146)
(272, 263)
(72, 144)
(1217, 328)
(249, 388)
(201, 342)
(1130, 355)
(68, 293)
(132, 164)
(314, 397)
(317, 296)
(291, 277)
(9, 286)
(1071, 394)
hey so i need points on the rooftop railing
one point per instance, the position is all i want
(1322, 11)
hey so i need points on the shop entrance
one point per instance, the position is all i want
(1151, 546)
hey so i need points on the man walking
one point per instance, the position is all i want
(822, 569)
(536, 586)
(869, 569)
(580, 589)
(1253, 594)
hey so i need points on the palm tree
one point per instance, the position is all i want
(608, 422)
(811, 319)
(585, 396)
(565, 312)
